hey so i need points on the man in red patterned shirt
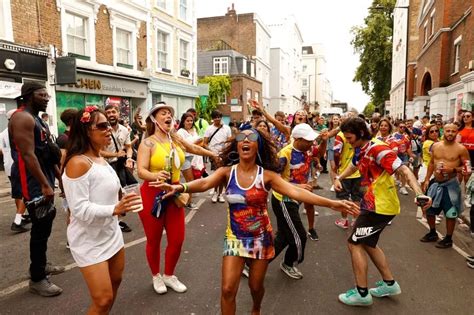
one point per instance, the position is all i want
(376, 162)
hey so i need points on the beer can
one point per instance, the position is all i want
(467, 166)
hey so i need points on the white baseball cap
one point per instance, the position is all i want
(304, 131)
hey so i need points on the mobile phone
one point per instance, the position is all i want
(422, 200)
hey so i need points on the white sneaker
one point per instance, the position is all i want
(173, 283)
(158, 284)
(438, 220)
(403, 191)
(316, 212)
(332, 188)
(221, 198)
(214, 198)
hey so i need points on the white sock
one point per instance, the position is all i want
(18, 218)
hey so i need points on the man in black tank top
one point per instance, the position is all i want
(34, 170)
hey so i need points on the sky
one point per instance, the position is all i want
(320, 21)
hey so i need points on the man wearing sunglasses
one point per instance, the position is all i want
(295, 162)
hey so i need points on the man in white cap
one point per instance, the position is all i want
(18, 225)
(295, 160)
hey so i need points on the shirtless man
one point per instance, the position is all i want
(448, 160)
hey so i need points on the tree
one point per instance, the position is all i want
(218, 86)
(373, 43)
(369, 109)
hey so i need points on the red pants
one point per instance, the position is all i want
(172, 220)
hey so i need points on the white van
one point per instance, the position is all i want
(331, 111)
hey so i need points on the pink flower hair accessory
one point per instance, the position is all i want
(86, 115)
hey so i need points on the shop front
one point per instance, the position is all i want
(100, 89)
(180, 96)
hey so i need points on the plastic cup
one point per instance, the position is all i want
(134, 188)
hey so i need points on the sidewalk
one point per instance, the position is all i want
(5, 188)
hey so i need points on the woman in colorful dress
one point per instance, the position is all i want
(250, 172)
(160, 158)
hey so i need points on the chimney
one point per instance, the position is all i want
(231, 12)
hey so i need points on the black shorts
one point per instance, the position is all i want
(350, 189)
(16, 188)
(367, 228)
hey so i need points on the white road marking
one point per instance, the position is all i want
(24, 284)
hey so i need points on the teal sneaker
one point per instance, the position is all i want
(384, 289)
(353, 298)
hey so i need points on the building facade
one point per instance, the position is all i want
(172, 49)
(286, 65)
(315, 86)
(442, 81)
(244, 33)
(244, 86)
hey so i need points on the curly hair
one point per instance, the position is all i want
(266, 156)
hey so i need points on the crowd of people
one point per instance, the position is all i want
(368, 160)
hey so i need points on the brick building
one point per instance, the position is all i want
(244, 33)
(244, 86)
(442, 80)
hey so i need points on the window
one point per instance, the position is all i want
(183, 55)
(425, 33)
(222, 99)
(249, 95)
(305, 82)
(162, 49)
(183, 9)
(76, 30)
(305, 67)
(221, 65)
(256, 96)
(6, 29)
(432, 23)
(457, 56)
(161, 4)
(244, 66)
(124, 47)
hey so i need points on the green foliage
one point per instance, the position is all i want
(373, 43)
(218, 86)
(369, 110)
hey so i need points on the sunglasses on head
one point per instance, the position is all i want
(250, 137)
(102, 126)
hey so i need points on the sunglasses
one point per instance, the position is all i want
(102, 126)
(467, 116)
(250, 137)
(434, 131)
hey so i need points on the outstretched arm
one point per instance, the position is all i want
(294, 192)
(278, 125)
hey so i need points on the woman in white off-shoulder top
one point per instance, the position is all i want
(92, 190)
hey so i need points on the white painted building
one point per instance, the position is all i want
(262, 57)
(286, 64)
(315, 86)
(399, 61)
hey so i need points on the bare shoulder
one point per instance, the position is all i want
(22, 119)
(148, 142)
(77, 166)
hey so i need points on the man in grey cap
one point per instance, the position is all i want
(35, 165)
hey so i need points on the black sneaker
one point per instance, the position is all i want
(19, 228)
(429, 237)
(25, 219)
(313, 235)
(444, 243)
(124, 227)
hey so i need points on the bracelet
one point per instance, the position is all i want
(185, 187)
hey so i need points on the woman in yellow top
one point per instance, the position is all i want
(431, 136)
(160, 158)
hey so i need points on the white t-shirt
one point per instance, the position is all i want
(218, 142)
(189, 136)
(122, 137)
(7, 153)
(93, 234)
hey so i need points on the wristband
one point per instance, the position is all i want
(185, 187)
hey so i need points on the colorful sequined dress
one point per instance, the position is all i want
(249, 231)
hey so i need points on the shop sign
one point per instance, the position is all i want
(237, 108)
(234, 101)
(105, 86)
(10, 89)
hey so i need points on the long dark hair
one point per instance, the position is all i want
(79, 142)
(357, 127)
(463, 124)
(183, 118)
(293, 123)
(266, 157)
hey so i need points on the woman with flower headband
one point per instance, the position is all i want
(93, 191)
(250, 172)
(160, 158)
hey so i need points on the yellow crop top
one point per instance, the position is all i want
(157, 159)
